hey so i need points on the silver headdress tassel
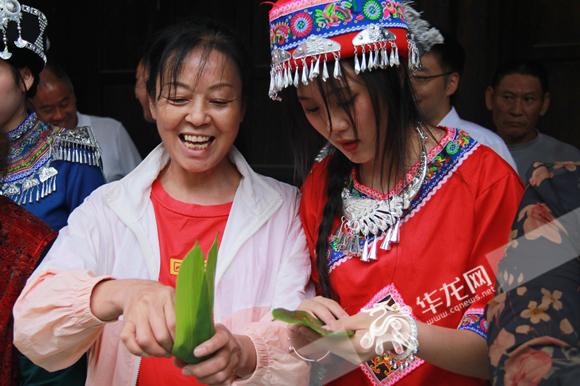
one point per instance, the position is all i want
(377, 42)
(12, 13)
(314, 52)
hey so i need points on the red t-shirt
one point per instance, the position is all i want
(179, 226)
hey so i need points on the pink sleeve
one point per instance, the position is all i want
(274, 365)
(53, 322)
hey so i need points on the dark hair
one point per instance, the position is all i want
(171, 46)
(451, 57)
(59, 73)
(17, 64)
(389, 90)
(450, 54)
(523, 67)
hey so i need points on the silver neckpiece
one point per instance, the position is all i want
(365, 217)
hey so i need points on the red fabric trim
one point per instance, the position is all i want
(23, 238)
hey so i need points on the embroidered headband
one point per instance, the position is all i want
(305, 35)
(23, 30)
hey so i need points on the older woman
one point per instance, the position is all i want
(120, 254)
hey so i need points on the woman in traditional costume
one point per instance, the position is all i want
(401, 218)
(50, 170)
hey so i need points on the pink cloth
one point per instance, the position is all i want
(61, 328)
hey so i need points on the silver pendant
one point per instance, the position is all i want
(381, 219)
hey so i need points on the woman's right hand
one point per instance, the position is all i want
(327, 310)
(303, 338)
(148, 310)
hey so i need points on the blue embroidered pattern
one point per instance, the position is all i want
(333, 18)
(29, 149)
(441, 166)
(474, 320)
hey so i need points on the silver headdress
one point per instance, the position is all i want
(22, 28)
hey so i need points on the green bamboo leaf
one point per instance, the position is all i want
(307, 320)
(204, 326)
(189, 283)
(194, 301)
(210, 268)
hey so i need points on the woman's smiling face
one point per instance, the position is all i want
(199, 115)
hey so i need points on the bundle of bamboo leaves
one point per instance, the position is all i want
(194, 299)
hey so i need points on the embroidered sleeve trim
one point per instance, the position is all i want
(474, 320)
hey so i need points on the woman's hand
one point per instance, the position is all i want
(324, 309)
(231, 357)
(328, 311)
(336, 319)
(353, 349)
(308, 343)
(148, 310)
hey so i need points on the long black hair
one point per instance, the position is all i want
(167, 50)
(390, 91)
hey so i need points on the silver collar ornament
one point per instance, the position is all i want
(377, 219)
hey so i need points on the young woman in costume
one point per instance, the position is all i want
(50, 170)
(400, 217)
(120, 255)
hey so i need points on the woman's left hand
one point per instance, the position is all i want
(232, 357)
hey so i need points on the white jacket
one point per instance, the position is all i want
(118, 152)
(262, 263)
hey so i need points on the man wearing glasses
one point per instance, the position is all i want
(435, 85)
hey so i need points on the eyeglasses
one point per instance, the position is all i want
(425, 79)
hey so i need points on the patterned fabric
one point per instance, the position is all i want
(474, 320)
(386, 369)
(535, 319)
(29, 154)
(440, 267)
(50, 172)
(443, 160)
(23, 238)
(292, 24)
(34, 145)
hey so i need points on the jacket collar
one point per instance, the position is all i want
(254, 203)
(451, 119)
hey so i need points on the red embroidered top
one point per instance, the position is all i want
(23, 239)
(439, 268)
